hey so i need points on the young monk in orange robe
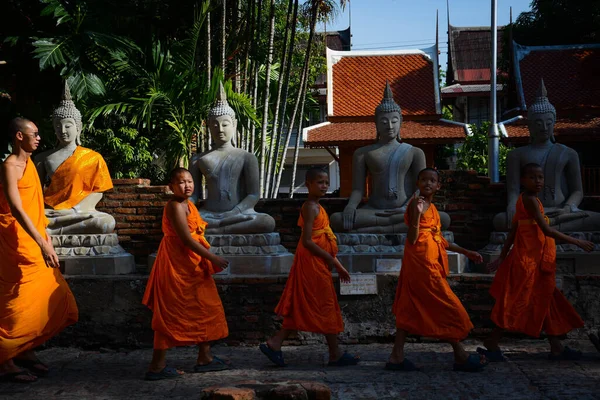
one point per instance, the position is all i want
(35, 301)
(524, 287)
(181, 291)
(309, 300)
(425, 305)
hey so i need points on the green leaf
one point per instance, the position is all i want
(50, 53)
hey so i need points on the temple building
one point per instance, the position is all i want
(355, 81)
(468, 78)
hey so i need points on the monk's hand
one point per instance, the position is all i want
(342, 272)
(474, 256)
(219, 263)
(49, 255)
(493, 266)
(510, 213)
(420, 205)
(348, 218)
(585, 245)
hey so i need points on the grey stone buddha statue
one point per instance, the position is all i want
(74, 177)
(231, 176)
(563, 190)
(393, 167)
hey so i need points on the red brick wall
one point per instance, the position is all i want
(471, 200)
(137, 208)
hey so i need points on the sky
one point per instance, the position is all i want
(409, 24)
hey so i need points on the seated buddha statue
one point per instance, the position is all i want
(231, 176)
(563, 189)
(393, 167)
(74, 177)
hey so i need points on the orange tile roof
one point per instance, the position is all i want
(358, 82)
(570, 74)
(564, 128)
(413, 131)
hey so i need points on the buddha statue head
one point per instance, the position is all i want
(66, 119)
(541, 116)
(222, 123)
(388, 116)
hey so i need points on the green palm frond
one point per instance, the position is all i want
(51, 53)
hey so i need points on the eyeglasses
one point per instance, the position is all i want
(33, 135)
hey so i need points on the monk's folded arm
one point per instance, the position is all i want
(9, 178)
(176, 214)
(309, 213)
(531, 205)
(509, 241)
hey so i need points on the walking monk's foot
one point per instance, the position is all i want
(473, 363)
(30, 361)
(9, 372)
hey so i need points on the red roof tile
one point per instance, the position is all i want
(563, 128)
(570, 75)
(358, 84)
(422, 131)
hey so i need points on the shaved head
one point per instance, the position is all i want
(17, 125)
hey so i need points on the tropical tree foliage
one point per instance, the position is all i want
(473, 154)
(143, 73)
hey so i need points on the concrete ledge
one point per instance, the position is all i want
(118, 264)
(111, 313)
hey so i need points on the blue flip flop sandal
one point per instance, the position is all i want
(345, 360)
(276, 357)
(215, 365)
(404, 366)
(166, 373)
(492, 356)
(567, 354)
(473, 364)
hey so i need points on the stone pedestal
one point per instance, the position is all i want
(251, 254)
(570, 259)
(368, 252)
(97, 254)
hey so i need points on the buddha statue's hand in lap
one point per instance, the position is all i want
(563, 188)
(74, 178)
(393, 168)
(231, 175)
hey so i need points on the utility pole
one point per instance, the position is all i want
(494, 137)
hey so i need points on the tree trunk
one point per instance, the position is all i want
(274, 151)
(281, 142)
(297, 145)
(265, 121)
(247, 64)
(301, 93)
(223, 35)
(255, 73)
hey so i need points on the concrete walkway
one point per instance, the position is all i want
(78, 374)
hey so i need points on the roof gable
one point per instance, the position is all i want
(470, 51)
(356, 81)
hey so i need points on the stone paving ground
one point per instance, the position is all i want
(79, 374)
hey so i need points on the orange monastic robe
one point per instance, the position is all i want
(35, 301)
(524, 287)
(309, 301)
(425, 305)
(181, 291)
(83, 173)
